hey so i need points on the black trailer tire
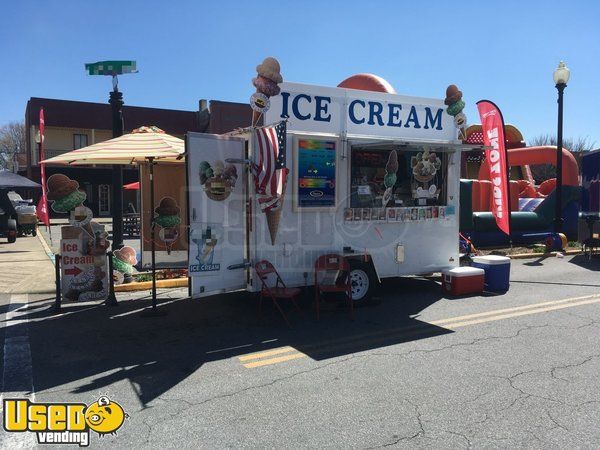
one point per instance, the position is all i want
(364, 281)
(11, 225)
(34, 232)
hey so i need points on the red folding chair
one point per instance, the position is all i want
(335, 277)
(264, 270)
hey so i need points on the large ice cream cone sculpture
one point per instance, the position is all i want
(266, 81)
(273, 219)
(455, 107)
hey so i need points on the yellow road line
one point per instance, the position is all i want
(267, 362)
(277, 351)
(507, 310)
(453, 325)
(450, 323)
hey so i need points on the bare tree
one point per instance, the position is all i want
(542, 172)
(574, 145)
(12, 142)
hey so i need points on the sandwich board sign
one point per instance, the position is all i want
(84, 266)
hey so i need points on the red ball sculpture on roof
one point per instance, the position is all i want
(367, 82)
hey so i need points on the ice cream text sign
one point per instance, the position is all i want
(337, 110)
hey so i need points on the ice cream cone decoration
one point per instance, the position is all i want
(266, 81)
(124, 259)
(455, 107)
(390, 177)
(64, 193)
(273, 218)
(271, 182)
(168, 219)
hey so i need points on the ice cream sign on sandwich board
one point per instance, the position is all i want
(337, 110)
(84, 273)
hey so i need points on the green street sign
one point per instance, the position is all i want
(111, 67)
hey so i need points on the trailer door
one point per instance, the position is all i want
(217, 195)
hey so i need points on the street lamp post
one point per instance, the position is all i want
(561, 77)
(114, 68)
(116, 103)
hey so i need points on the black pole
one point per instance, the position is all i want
(57, 301)
(116, 102)
(152, 233)
(111, 300)
(154, 312)
(558, 220)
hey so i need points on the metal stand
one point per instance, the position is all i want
(154, 311)
(112, 298)
(56, 307)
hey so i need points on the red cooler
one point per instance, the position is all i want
(463, 280)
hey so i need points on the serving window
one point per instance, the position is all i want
(391, 177)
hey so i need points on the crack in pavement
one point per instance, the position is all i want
(462, 344)
(251, 388)
(570, 366)
(420, 432)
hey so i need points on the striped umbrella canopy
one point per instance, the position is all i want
(136, 147)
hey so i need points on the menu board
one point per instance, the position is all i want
(316, 173)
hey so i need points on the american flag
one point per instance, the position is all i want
(270, 172)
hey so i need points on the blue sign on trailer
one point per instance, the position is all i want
(590, 174)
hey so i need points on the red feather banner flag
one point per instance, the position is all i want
(492, 126)
(42, 208)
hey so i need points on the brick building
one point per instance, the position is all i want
(70, 125)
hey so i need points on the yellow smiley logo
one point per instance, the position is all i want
(105, 416)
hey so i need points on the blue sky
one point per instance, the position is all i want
(187, 50)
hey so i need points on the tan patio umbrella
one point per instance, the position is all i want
(136, 147)
(143, 145)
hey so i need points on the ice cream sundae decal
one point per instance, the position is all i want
(87, 285)
(217, 180)
(123, 261)
(266, 81)
(390, 177)
(455, 106)
(167, 217)
(425, 165)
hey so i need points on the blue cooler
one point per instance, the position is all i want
(497, 271)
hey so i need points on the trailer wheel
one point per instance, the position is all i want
(363, 280)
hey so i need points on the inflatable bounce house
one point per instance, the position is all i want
(533, 207)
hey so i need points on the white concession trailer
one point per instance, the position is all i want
(372, 176)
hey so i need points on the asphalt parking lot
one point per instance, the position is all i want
(414, 369)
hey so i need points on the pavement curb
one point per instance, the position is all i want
(145, 285)
(47, 248)
(543, 255)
